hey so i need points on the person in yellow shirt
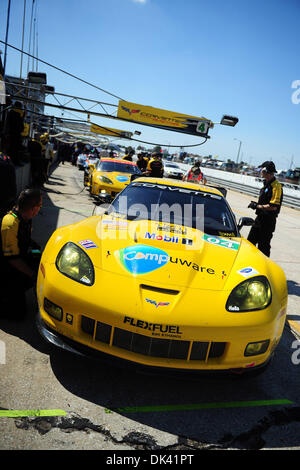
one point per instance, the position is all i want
(155, 166)
(20, 255)
(266, 208)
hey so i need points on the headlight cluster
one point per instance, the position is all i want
(105, 179)
(252, 294)
(73, 262)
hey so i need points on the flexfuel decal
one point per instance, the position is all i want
(142, 259)
(154, 327)
(217, 241)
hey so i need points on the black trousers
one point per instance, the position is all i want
(13, 287)
(261, 233)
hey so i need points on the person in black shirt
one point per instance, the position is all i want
(155, 166)
(142, 162)
(267, 209)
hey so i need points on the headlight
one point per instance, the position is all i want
(252, 294)
(105, 180)
(73, 262)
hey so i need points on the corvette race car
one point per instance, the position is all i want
(163, 280)
(111, 176)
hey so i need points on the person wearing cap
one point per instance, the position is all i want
(155, 166)
(266, 208)
(195, 175)
(142, 162)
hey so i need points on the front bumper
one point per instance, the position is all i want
(74, 347)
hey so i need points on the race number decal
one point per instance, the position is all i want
(225, 243)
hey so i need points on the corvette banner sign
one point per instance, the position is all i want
(108, 131)
(167, 120)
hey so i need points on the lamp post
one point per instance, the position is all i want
(237, 158)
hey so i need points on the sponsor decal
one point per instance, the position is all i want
(142, 259)
(157, 304)
(87, 244)
(234, 308)
(165, 238)
(122, 179)
(152, 326)
(164, 119)
(246, 272)
(121, 224)
(130, 111)
(178, 189)
(217, 241)
(172, 229)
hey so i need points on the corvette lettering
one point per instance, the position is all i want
(152, 326)
(179, 190)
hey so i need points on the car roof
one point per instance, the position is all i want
(179, 184)
(126, 162)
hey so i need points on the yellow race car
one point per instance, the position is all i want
(110, 177)
(163, 280)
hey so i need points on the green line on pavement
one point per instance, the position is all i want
(23, 413)
(202, 406)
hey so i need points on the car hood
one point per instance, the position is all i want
(172, 256)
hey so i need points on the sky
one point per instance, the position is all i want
(235, 57)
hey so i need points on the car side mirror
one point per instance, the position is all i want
(247, 221)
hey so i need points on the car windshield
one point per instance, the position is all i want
(118, 166)
(205, 211)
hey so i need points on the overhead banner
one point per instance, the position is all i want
(112, 132)
(163, 119)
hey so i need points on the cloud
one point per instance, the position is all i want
(140, 1)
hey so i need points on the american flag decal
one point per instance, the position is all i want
(87, 244)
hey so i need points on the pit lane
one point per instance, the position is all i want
(165, 413)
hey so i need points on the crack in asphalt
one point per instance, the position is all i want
(253, 438)
(249, 440)
(138, 440)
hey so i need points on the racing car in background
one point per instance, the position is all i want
(110, 176)
(172, 170)
(163, 280)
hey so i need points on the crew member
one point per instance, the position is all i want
(267, 209)
(155, 166)
(20, 255)
(195, 175)
(129, 155)
(142, 162)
